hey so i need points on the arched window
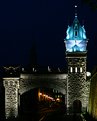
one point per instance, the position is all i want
(75, 33)
(81, 69)
(71, 69)
(76, 69)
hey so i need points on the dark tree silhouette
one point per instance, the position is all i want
(91, 3)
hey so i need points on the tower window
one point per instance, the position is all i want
(75, 69)
(71, 69)
(75, 33)
(80, 69)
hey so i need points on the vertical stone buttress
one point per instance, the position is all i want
(11, 96)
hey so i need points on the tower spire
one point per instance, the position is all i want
(75, 11)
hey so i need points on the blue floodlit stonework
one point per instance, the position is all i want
(76, 39)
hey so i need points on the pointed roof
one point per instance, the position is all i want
(76, 23)
(75, 40)
(76, 31)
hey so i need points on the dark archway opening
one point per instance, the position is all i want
(39, 101)
(29, 105)
(77, 106)
(52, 100)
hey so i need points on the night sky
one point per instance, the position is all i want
(35, 30)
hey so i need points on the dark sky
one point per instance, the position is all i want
(40, 26)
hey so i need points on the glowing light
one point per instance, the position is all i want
(11, 78)
(49, 70)
(23, 69)
(71, 69)
(59, 70)
(76, 69)
(75, 6)
(88, 74)
(40, 93)
(81, 69)
(76, 37)
(58, 99)
(44, 95)
(33, 69)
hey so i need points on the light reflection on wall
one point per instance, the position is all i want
(93, 96)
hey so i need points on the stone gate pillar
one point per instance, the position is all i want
(11, 96)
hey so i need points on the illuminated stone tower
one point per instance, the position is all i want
(76, 54)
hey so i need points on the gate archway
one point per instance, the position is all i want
(77, 106)
(33, 105)
(14, 87)
(55, 81)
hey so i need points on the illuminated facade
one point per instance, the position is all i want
(73, 84)
(11, 96)
(15, 87)
(76, 54)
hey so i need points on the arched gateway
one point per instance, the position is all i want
(16, 86)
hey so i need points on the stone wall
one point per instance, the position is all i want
(93, 96)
